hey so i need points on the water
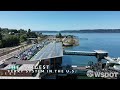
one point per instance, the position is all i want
(96, 41)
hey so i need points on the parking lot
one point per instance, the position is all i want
(30, 52)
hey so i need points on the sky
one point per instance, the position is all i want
(59, 20)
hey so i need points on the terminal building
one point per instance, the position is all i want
(51, 55)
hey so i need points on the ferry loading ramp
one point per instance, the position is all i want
(52, 50)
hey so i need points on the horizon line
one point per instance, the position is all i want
(72, 29)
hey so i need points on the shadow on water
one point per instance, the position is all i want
(78, 60)
(67, 60)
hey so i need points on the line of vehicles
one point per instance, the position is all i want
(30, 52)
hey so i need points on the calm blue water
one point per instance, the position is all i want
(104, 41)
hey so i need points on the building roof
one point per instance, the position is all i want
(26, 67)
(52, 50)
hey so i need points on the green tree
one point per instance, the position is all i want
(23, 38)
(29, 31)
(59, 35)
(10, 40)
(22, 31)
(0, 36)
(0, 29)
(13, 30)
(1, 45)
(31, 34)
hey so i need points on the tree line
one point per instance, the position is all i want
(13, 37)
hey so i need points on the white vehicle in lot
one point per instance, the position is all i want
(115, 64)
(16, 56)
(87, 67)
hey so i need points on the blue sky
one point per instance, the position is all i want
(60, 20)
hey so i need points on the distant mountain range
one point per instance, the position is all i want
(84, 31)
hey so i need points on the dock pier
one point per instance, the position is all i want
(99, 54)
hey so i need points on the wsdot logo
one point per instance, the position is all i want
(90, 73)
